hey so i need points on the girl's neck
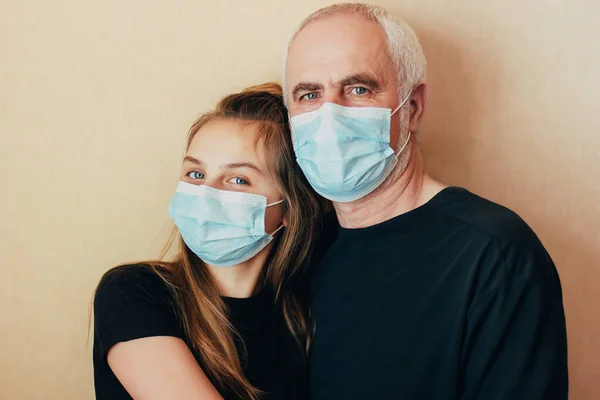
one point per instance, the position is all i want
(242, 280)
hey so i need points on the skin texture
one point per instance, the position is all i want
(344, 59)
(158, 368)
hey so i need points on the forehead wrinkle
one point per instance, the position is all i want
(377, 52)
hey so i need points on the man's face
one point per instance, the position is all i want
(342, 59)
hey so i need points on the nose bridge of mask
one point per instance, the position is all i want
(327, 124)
(339, 124)
(221, 196)
(304, 127)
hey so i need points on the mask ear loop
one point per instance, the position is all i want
(277, 230)
(280, 226)
(277, 202)
(409, 133)
(405, 144)
(401, 104)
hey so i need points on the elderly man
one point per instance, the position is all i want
(427, 291)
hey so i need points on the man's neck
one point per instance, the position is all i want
(410, 190)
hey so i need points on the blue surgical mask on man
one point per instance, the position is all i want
(223, 228)
(345, 152)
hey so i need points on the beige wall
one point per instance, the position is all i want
(96, 97)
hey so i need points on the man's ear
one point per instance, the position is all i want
(418, 101)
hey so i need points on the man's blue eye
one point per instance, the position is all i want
(196, 175)
(359, 90)
(310, 96)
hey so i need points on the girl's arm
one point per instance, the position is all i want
(160, 368)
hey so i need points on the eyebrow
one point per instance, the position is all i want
(306, 87)
(357, 79)
(192, 160)
(225, 166)
(360, 79)
(241, 165)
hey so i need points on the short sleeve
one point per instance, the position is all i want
(132, 302)
(516, 345)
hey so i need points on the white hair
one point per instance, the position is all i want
(403, 44)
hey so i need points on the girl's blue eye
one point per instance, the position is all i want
(196, 175)
(238, 181)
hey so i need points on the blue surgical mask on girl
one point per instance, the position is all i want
(345, 152)
(222, 228)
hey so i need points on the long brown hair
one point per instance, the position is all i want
(200, 307)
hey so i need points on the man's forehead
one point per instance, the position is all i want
(342, 45)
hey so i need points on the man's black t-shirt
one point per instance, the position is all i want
(456, 299)
(133, 302)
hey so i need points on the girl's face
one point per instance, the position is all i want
(223, 155)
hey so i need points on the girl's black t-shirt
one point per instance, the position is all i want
(133, 302)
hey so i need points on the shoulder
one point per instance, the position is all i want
(484, 217)
(131, 273)
(510, 250)
(126, 286)
(125, 277)
(131, 302)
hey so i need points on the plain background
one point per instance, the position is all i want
(96, 99)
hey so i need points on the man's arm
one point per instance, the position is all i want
(516, 345)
